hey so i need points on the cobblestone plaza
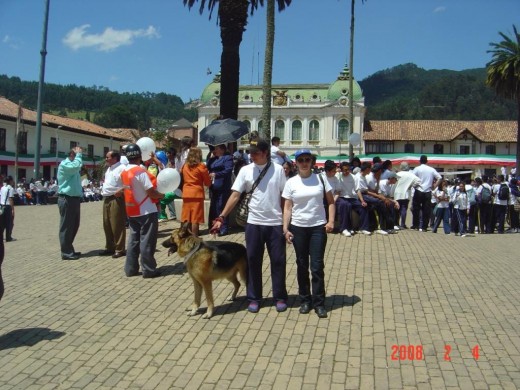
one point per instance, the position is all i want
(406, 311)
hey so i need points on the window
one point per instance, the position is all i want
(464, 149)
(22, 142)
(53, 146)
(409, 148)
(90, 150)
(378, 147)
(491, 149)
(279, 129)
(2, 139)
(73, 144)
(245, 138)
(314, 130)
(438, 149)
(105, 150)
(296, 131)
(343, 130)
(260, 126)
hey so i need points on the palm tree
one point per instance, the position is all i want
(268, 70)
(503, 75)
(232, 18)
(351, 80)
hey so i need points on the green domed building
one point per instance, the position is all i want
(315, 116)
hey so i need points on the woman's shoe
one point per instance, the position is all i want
(321, 312)
(305, 308)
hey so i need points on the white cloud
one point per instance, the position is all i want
(439, 9)
(12, 43)
(108, 40)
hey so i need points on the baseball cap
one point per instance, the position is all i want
(392, 175)
(301, 152)
(376, 167)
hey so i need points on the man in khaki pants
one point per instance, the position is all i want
(114, 213)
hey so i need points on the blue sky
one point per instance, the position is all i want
(161, 46)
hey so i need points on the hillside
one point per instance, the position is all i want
(100, 105)
(409, 92)
(402, 92)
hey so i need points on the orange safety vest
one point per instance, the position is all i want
(133, 208)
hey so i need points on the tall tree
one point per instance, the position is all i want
(232, 18)
(503, 75)
(351, 79)
(268, 70)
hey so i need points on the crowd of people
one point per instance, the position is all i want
(290, 203)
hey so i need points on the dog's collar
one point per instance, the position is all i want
(190, 253)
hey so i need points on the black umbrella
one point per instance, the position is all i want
(223, 131)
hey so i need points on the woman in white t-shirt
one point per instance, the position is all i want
(442, 196)
(306, 227)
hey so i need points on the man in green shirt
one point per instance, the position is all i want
(69, 200)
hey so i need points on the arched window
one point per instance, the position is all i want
(296, 131)
(279, 129)
(314, 130)
(260, 126)
(248, 124)
(343, 130)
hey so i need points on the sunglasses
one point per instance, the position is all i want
(304, 159)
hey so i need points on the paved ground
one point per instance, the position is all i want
(405, 311)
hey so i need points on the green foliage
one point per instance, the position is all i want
(99, 101)
(409, 92)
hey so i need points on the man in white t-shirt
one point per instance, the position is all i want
(403, 191)
(422, 197)
(350, 199)
(277, 156)
(264, 224)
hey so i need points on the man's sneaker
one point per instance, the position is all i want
(253, 307)
(382, 232)
(281, 306)
(463, 235)
(366, 232)
(396, 227)
(346, 233)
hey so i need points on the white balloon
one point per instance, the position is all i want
(168, 180)
(147, 146)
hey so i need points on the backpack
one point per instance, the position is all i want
(503, 192)
(485, 195)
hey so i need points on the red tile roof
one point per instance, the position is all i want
(9, 110)
(430, 130)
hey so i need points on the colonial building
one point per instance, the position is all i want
(58, 135)
(317, 116)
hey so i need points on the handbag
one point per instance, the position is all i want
(243, 205)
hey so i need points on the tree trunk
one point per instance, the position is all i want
(268, 71)
(351, 79)
(518, 137)
(233, 20)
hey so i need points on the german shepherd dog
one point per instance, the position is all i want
(207, 261)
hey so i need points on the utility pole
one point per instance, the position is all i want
(43, 53)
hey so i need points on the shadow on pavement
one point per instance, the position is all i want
(174, 269)
(27, 337)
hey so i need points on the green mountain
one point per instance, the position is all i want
(402, 92)
(100, 105)
(409, 92)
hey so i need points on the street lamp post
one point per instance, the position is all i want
(43, 53)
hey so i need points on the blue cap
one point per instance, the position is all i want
(302, 152)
